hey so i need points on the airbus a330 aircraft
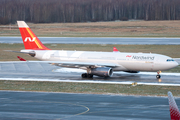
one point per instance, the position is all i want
(96, 63)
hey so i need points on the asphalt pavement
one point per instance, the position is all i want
(64, 106)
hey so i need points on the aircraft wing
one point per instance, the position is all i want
(70, 64)
(80, 64)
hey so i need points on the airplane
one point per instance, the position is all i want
(95, 63)
(173, 108)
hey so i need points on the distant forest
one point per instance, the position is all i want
(48, 11)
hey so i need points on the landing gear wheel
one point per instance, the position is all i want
(89, 75)
(158, 76)
(84, 75)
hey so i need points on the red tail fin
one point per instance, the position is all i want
(21, 59)
(30, 40)
(174, 111)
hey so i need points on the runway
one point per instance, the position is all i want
(99, 40)
(46, 72)
(42, 105)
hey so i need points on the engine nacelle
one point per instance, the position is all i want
(102, 71)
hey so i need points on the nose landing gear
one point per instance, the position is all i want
(158, 76)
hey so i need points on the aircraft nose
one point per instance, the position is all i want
(170, 65)
(176, 64)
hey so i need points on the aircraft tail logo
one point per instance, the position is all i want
(30, 40)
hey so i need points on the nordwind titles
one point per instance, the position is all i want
(143, 58)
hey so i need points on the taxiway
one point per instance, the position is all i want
(42, 105)
(99, 40)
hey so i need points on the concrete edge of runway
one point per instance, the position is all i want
(89, 81)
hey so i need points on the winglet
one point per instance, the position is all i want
(30, 40)
(115, 49)
(20, 58)
(174, 111)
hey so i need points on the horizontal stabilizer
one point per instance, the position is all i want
(20, 58)
(31, 53)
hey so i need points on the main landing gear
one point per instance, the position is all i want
(158, 76)
(86, 75)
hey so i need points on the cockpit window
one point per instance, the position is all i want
(168, 60)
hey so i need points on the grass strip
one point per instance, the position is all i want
(140, 28)
(89, 88)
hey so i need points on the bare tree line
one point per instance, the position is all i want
(47, 11)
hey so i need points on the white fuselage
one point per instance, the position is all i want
(124, 61)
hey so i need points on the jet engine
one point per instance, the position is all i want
(102, 71)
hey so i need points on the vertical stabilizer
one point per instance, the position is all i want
(174, 111)
(30, 40)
